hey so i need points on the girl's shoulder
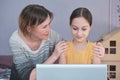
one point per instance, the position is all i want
(91, 43)
(69, 42)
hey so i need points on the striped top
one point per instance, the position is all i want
(25, 59)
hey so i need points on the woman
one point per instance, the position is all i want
(81, 50)
(34, 42)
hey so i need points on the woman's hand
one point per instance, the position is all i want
(99, 50)
(60, 48)
(62, 59)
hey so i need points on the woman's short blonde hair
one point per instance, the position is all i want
(31, 16)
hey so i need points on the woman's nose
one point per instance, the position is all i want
(48, 28)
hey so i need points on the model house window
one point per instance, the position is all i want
(111, 71)
(112, 43)
(112, 75)
(108, 67)
(112, 68)
(112, 50)
(106, 50)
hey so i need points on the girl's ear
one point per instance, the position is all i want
(90, 27)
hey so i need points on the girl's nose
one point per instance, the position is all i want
(79, 32)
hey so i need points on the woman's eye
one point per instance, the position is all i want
(45, 26)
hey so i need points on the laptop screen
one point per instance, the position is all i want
(71, 72)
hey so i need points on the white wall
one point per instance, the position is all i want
(10, 10)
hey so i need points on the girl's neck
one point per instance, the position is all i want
(79, 46)
(80, 43)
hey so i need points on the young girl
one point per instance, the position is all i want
(81, 50)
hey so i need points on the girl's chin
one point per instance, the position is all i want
(79, 40)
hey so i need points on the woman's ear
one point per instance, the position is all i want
(29, 29)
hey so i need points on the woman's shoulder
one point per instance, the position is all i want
(14, 35)
(53, 33)
(14, 38)
(54, 36)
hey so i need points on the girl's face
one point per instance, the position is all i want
(80, 29)
(41, 32)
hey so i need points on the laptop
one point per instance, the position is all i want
(71, 71)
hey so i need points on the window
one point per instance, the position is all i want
(106, 50)
(111, 71)
(112, 43)
(112, 68)
(112, 75)
(112, 50)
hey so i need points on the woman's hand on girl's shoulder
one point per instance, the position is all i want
(99, 50)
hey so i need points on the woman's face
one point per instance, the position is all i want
(80, 29)
(41, 32)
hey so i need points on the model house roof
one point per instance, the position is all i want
(113, 33)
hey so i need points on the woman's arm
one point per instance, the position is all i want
(22, 64)
(59, 49)
(62, 59)
(96, 60)
(33, 74)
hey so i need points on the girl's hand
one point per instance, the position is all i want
(99, 50)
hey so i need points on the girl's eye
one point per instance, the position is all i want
(84, 29)
(75, 28)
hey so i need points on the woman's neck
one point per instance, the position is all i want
(31, 43)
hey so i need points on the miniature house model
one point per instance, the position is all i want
(111, 42)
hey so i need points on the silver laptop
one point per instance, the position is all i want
(71, 71)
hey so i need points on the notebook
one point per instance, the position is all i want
(71, 71)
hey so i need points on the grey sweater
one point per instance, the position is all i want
(25, 59)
